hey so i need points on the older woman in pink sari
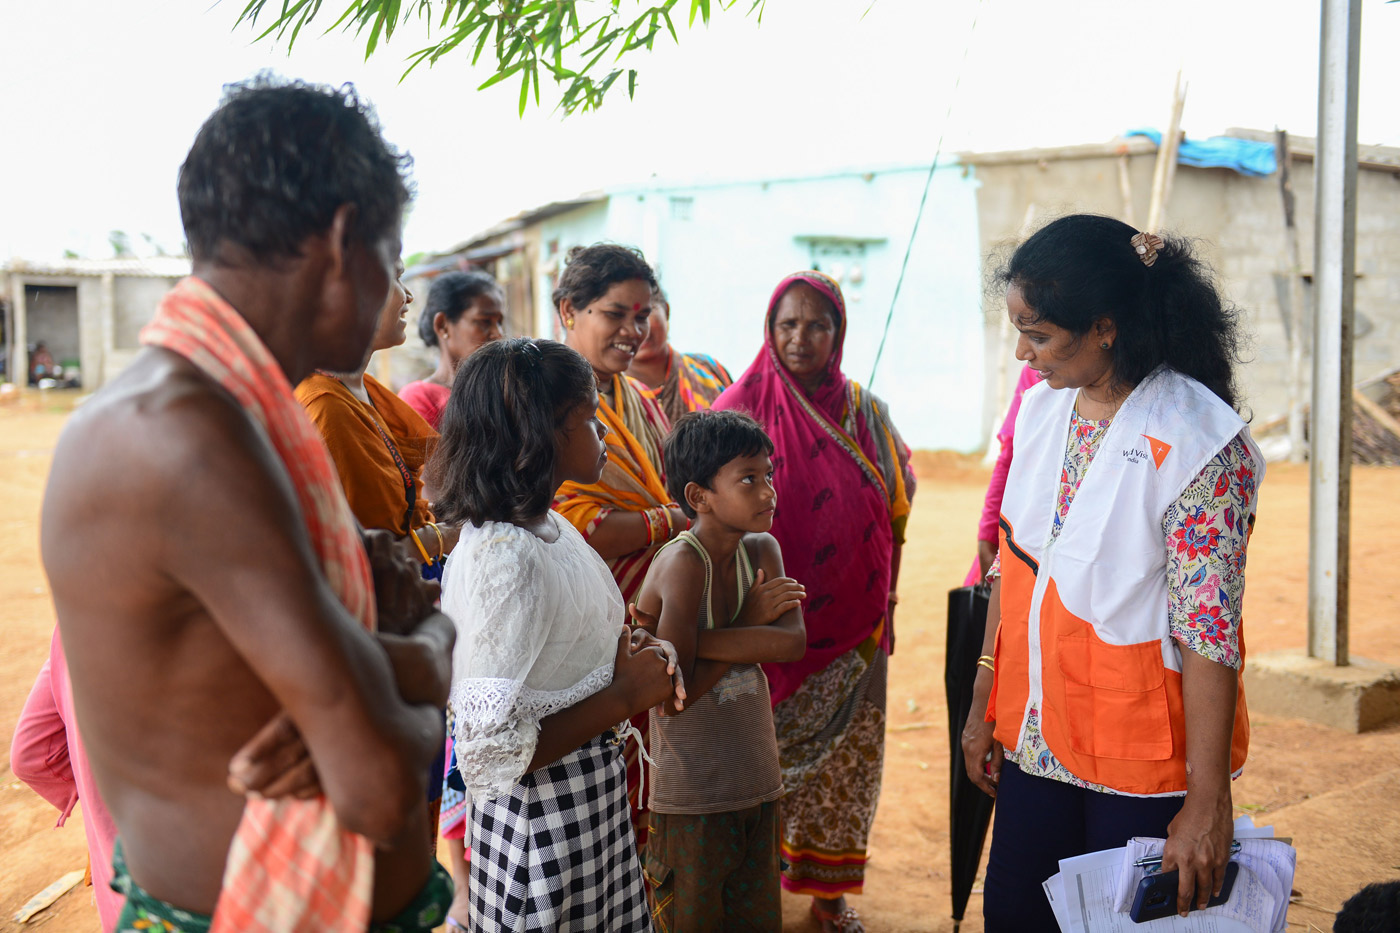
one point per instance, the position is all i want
(844, 490)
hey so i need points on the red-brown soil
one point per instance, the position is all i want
(1334, 793)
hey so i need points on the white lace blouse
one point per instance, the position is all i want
(537, 630)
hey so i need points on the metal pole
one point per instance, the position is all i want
(1334, 264)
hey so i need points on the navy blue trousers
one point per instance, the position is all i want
(1038, 822)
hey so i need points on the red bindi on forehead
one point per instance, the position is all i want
(637, 306)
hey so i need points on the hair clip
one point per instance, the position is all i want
(531, 351)
(1146, 246)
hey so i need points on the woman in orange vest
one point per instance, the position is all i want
(1109, 699)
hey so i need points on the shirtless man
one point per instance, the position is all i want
(192, 605)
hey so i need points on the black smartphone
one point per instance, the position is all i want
(1156, 894)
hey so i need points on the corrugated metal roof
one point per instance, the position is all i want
(524, 219)
(462, 260)
(165, 267)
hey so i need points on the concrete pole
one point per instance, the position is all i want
(19, 336)
(108, 345)
(1334, 264)
(9, 324)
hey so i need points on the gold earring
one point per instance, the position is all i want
(569, 323)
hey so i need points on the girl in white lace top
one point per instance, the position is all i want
(544, 662)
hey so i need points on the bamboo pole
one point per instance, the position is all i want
(1004, 356)
(1376, 413)
(1125, 188)
(1165, 169)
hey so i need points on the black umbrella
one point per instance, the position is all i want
(970, 810)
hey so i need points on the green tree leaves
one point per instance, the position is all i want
(571, 41)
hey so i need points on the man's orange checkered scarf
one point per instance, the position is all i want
(292, 868)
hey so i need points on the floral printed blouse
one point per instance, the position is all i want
(1206, 531)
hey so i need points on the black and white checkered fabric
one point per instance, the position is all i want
(558, 852)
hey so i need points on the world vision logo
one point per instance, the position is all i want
(1159, 450)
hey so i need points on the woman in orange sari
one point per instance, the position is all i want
(379, 444)
(604, 300)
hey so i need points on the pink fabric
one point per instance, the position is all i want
(428, 399)
(47, 754)
(991, 508)
(832, 521)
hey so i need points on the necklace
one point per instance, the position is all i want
(1079, 396)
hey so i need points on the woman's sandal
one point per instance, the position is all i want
(846, 921)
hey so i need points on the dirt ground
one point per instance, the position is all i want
(1334, 793)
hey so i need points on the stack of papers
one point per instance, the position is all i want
(1093, 893)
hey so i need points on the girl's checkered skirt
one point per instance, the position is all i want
(558, 852)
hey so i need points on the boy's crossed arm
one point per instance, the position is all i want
(768, 630)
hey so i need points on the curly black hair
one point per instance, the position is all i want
(589, 271)
(495, 458)
(1373, 909)
(274, 162)
(1082, 268)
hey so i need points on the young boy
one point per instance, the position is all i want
(712, 857)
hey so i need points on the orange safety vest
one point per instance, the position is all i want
(1084, 636)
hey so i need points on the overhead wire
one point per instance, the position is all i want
(923, 200)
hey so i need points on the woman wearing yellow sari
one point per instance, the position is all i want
(604, 302)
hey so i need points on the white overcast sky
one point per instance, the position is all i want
(99, 100)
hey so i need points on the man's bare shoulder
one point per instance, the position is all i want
(160, 457)
(160, 419)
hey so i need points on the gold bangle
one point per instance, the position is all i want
(442, 542)
(419, 544)
(670, 522)
(987, 657)
(983, 662)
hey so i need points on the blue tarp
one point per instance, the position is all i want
(1243, 155)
